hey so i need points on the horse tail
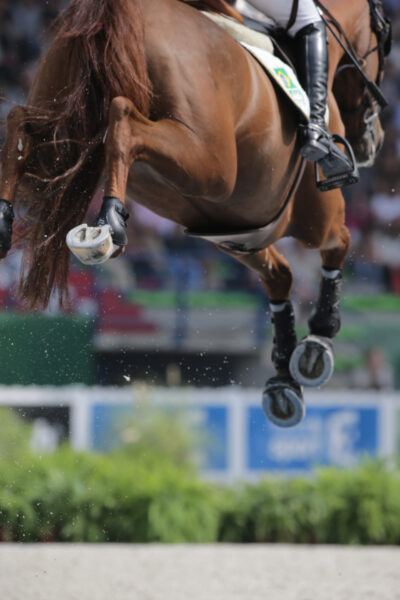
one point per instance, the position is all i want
(108, 43)
(103, 57)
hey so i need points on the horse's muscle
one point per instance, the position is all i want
(203, 138)
(205, 80)
(228, 157)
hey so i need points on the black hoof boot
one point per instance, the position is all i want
(283, 402)
(114, 214)
(312, 362)
(6, 221)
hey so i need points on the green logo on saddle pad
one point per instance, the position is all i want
(285, 78)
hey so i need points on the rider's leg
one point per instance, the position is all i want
(313, 66)
(12, 162)
(310, 37)
(281, 10)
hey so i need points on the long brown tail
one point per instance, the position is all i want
(104, 58)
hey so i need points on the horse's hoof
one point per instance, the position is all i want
(312, 361)
(283, 402)
(91, 245)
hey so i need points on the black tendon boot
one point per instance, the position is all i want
(325, 319)
(285, 339)
(317, 142)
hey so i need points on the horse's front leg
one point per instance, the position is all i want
(282, 400)
(12, 162)
(312, 362)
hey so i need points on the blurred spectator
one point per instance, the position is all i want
(375, 374)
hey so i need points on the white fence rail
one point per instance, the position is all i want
(339, 429)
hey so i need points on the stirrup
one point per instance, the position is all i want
(315, 142)
(334, 179)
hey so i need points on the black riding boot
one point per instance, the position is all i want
(317, 143)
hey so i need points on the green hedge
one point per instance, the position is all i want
(149, 492)
(70, 496)
(336, 506)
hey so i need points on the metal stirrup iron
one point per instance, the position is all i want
(341, 179)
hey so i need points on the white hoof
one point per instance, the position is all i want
(312, 362)
(283, 403)
(91, 245)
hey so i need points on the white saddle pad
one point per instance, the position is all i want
(261, 47)
(241, 33)
(283, 75)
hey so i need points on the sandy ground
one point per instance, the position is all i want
(221, 572)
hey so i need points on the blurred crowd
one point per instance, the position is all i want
(373, 205)
(160, 257)
(24, 34)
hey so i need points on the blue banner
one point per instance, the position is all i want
(327, 436)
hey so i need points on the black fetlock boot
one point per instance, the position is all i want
(317, 142)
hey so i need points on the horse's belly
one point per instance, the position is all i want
(245, 211)
(147, 187)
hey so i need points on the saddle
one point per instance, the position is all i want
(218, 6)
(264, 39)
(248, 15)
(265, 32)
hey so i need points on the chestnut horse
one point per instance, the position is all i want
(160, 100)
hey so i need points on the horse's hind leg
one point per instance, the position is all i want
(282, 401)
(180, 157)
(12, 162)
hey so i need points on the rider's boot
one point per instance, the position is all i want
(313, 64)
